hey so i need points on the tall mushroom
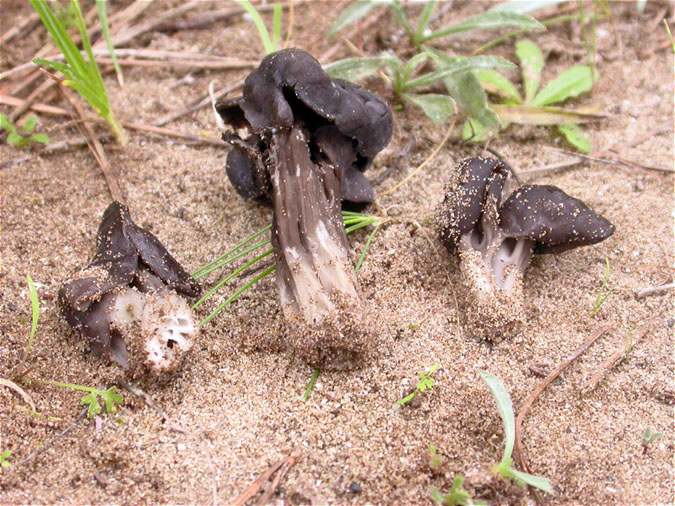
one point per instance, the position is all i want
(496, 235)
(304, 140)
(126, 302)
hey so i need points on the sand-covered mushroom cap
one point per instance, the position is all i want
(555, 221)
(107, 301)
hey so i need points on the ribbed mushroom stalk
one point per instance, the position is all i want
(310, 138)
(496, 237)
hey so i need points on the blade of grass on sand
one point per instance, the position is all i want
(105, 31)
(35, 311)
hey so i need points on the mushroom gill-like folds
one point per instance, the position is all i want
(496, 233)
(126, 302)
(303, 140)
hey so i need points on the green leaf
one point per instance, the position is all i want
(91, 401)
(6, 124)
(312, 383)
(355, 69)
(576, 137)
(41, 138)
(488, 21)
(449, 66)
(531, 64)
(505, 408)
(472, 100)
(111, 399)
(572, 82)
(4, 459)
(35, 310)
(16, 140)
(105, 31)
(30, 124)
(263, 33)
(530, 115)
(351, 15)
(474, 131)
(495, 83)
(438, 108)
(413, 64)
(423, 20)
(407, 398)
(534, 481)
(524, 6)
(276, 23)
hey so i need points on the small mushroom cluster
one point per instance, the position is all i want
(303, 140)
(496, 231)
(126, 302)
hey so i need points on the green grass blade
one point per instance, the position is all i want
(534, 481)
(276, 24)
(351, 15)
(488, 21)
(571, 82)
(264, 34)
(35, 311)
(366, 248)
(238, 293)
(423, 21)
(234, 257)
(105, 31)
(312, 383)
(531, 64)
(505, 408)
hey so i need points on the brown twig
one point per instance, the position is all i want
(614, 359)
(18, 30)
(612, 161)
(259, 482)
(109, 173)
(525, 408)
(272, 488)
(653, 290)
(551, 168)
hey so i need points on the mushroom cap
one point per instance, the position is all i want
(291, 82)
(556, 221)
(479, 190)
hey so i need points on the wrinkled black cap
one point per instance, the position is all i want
(554, 220)
(481, 182)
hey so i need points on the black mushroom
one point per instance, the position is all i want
(496, 231)
(126, 302)
(303, 140)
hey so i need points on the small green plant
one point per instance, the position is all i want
(82, 75)
(4, 459)
(424, 383)
(311, 384)
(409, 85)
(261, 250)
(419, 33)
(271, 42)
(111, 397)
(23, 135)
(456, 496)
(505, 467)
(536, 106)
(604, 291)
(35, 312)
(649, 437)
(435, 459)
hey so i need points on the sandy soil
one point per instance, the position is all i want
(239, 409)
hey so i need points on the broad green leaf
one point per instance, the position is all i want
(505, 408)
(572, 82)
(16, 140)
(6, 124)
(488, 21)
(531, 64)
(448, 66)
(472, 100)
(534, 481)
(438, 108)
(524, 6)
(111, 399)
(576, 137)
(354, 69)
(351, 15)
(30, 124)
(474, 132)
(530, 115)
(91, 401)
(41, 138)
(495, 83)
